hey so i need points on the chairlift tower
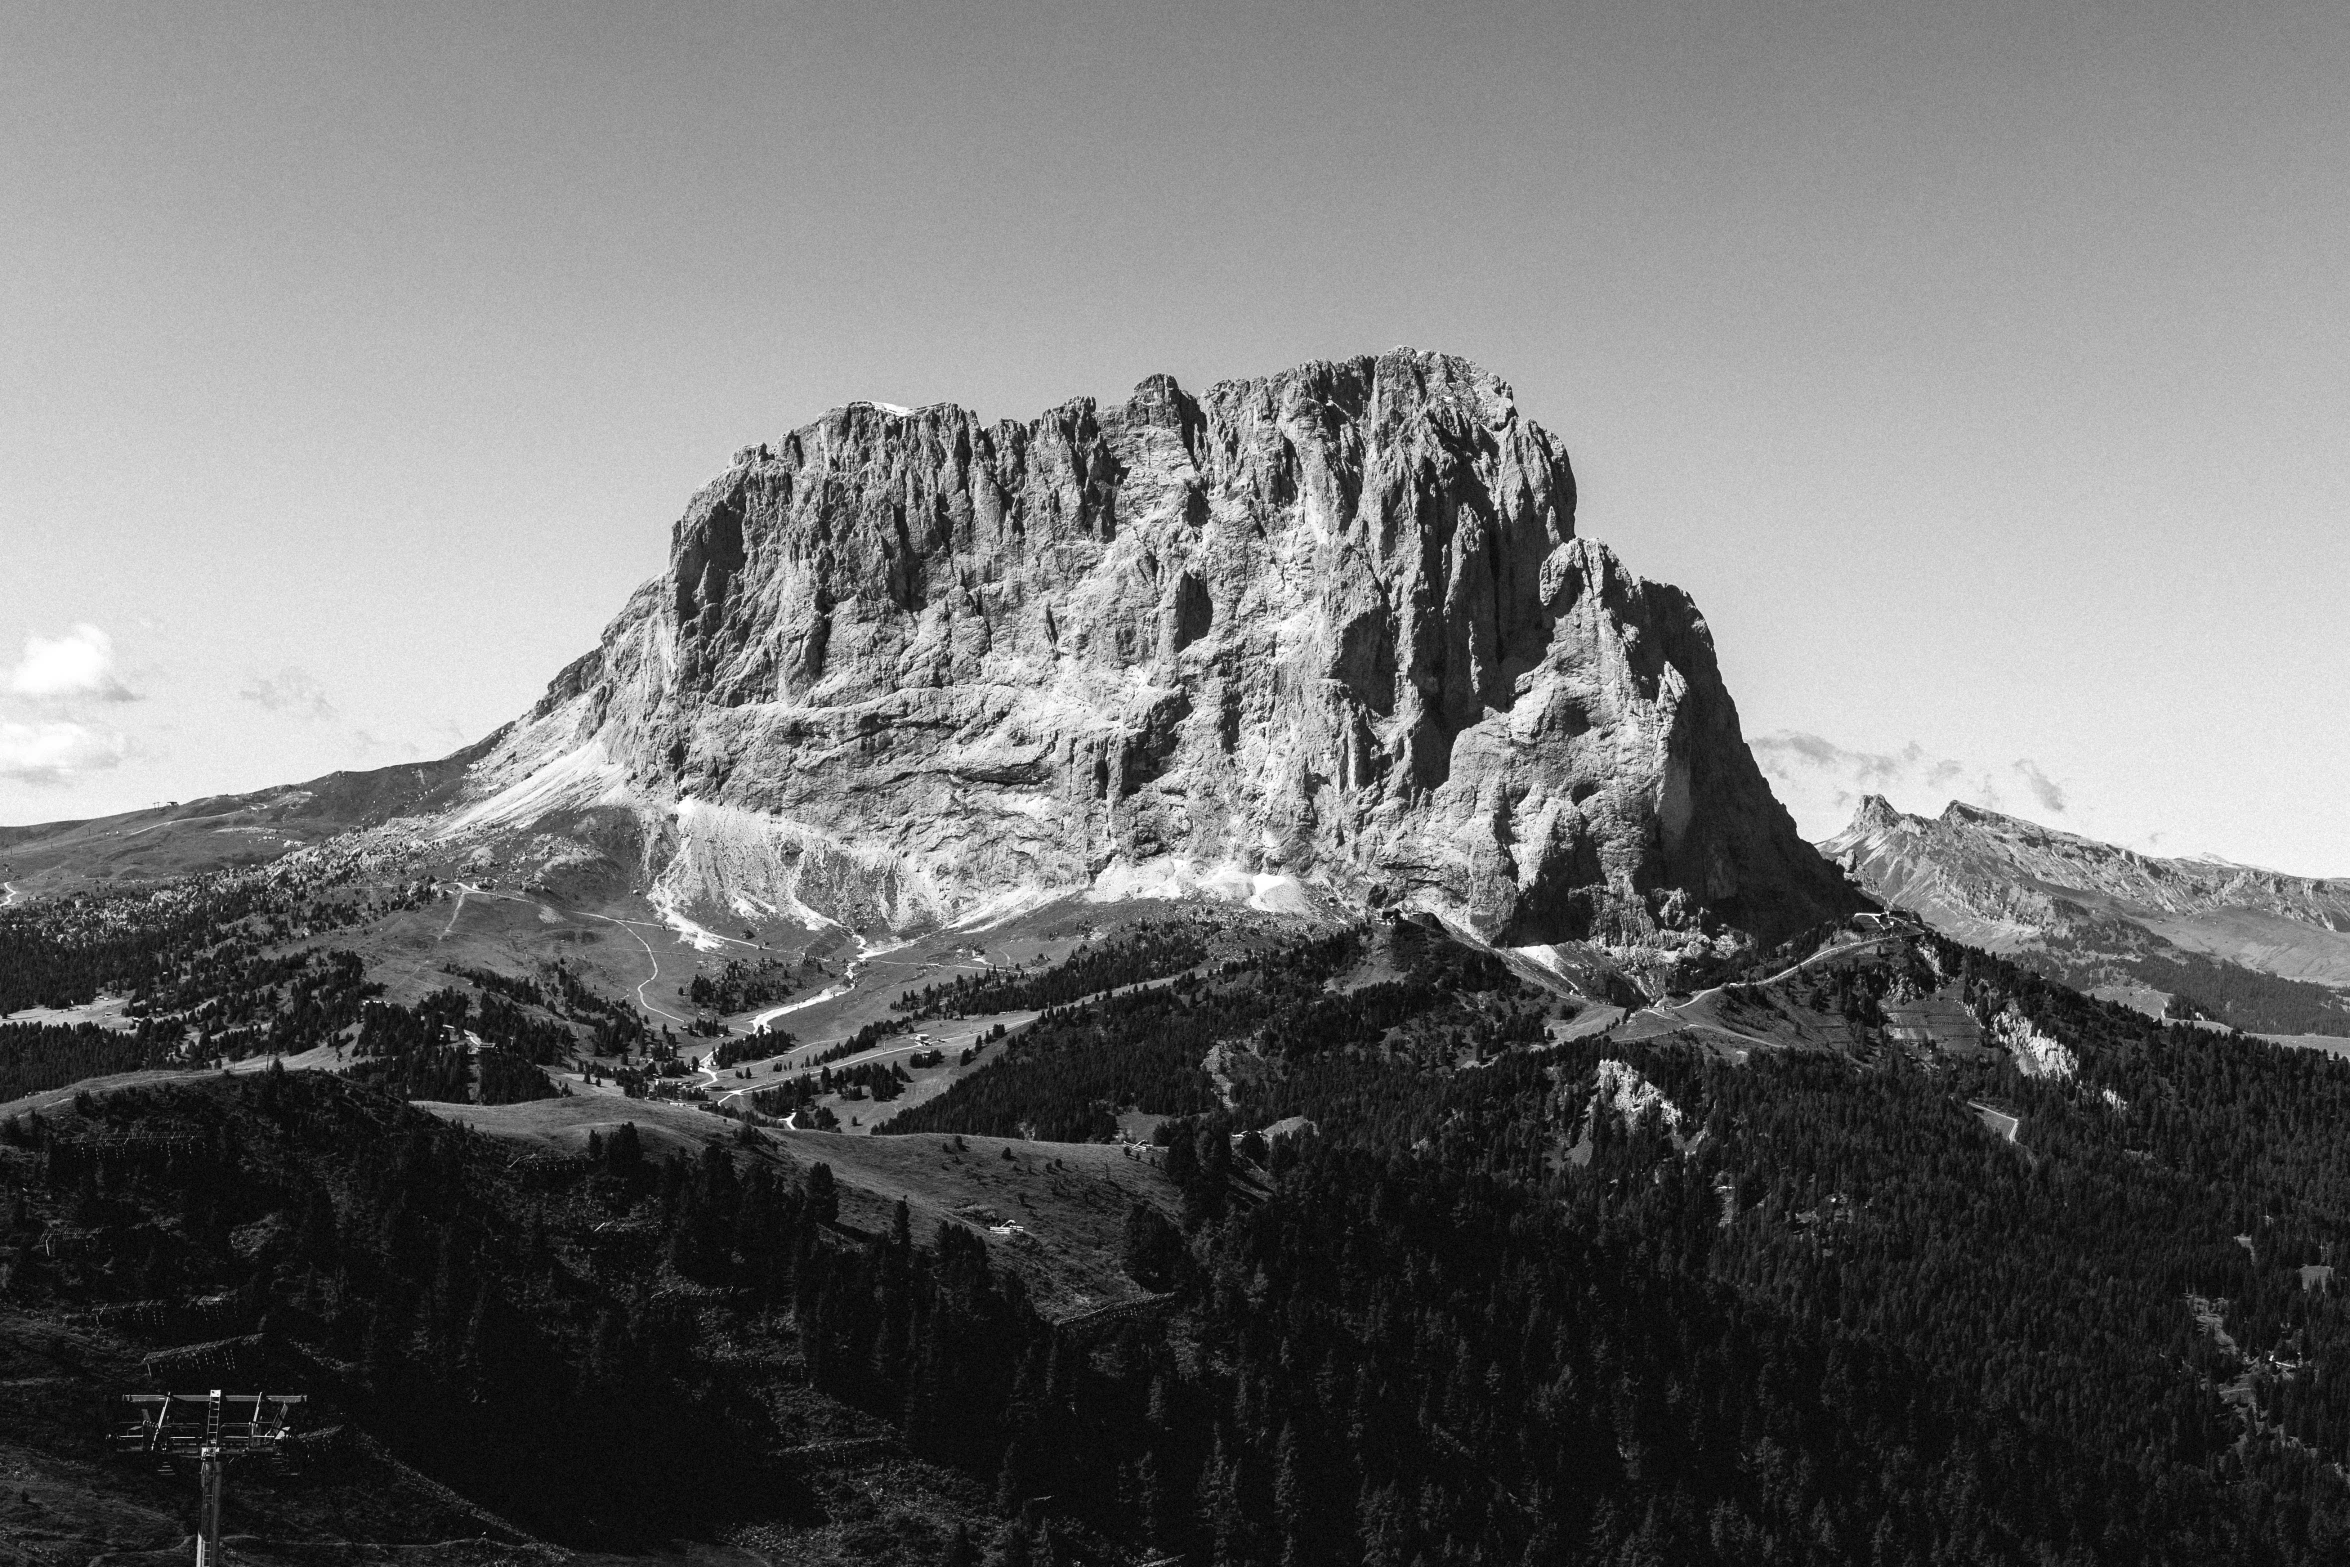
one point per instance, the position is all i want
(213, 1428)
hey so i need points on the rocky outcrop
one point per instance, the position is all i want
(1331, 627)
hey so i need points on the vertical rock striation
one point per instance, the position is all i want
(1332, 625)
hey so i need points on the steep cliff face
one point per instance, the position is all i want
(1331, 626)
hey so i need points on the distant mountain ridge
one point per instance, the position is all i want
(223, 831)
(2098, 915)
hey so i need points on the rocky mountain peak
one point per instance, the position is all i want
(1876, 814)
(1326, 631)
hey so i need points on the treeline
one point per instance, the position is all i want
(497, 1331)
(411, 1052)
(420, 1052)
(537, 1040)
(1070, 1074)
(871, 1036)
(2223, 1108)
(878, 1080)
(311, 998)
(61, 952)
(751, 1047)
(739, 986)
(171, 944)
(613, 1026)
(36, 1057)
(1854, 986)
(2246, 998)
(2224, 992)
(1440, 1363)
(322, 1000)
(491, 1332)
(503, 1078)
(1847, 1324)
(1480, 1317)
(280, 1005)
(1066, 1078)
(202, 960)
(1151, 952)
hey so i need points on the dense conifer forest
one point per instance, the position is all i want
(1820, 1313)
(162, 942)
(738, 986)
(38, 1056)
(2201, 986)
(1502, 1288)
(1153, 952)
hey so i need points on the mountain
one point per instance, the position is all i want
(940, 1203)
(222, 832)
(1330, 632)
(1323, 637)
(2253, 947)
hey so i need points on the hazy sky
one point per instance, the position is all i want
(1983, 370)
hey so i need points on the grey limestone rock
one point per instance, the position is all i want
(1332, 626)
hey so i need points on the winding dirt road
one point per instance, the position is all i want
(653, 957)
(1787, 973)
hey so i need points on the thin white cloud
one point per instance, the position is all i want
(368, 745)
(56, 752)
(1822, 783)
(77, 665)
(291, 691)
(2044, 789)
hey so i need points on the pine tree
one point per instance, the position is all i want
(820, 1199)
